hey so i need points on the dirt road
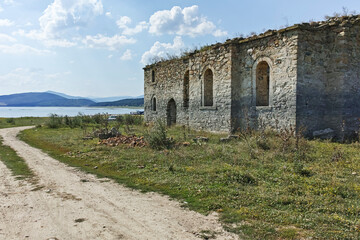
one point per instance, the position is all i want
(74, 205)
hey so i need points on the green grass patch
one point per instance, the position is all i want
(264, 185)
(15, 163)
(23, 121)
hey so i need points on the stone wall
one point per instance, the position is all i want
(279, 51)
(314, 81)
(351, 94)
(170, 84)
(218, 116)
(328, 73)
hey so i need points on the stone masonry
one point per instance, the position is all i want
(306, 76)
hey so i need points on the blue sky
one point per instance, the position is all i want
(99, 47)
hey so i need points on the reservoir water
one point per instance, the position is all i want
(16, 112)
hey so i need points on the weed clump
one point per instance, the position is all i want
(157, 137)
(10, 121)
(55, 121)
(133, 119)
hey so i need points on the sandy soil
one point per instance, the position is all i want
(74, 205)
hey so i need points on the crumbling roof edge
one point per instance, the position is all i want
(312, 26)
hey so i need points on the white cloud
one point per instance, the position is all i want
(137, 29)
(60, 18)
(65, 14)
(6, 3)
(220, 33)
(185, 21)
(110, 56)
(6, 38)
(108, 14)
(123, 23)
(21, 49)
(59, 43)
(48, 42)
(127, 55)
(162, 50)
(18, 77)
(6, 23)
(28, 79)
(9, 2)
(111, 43)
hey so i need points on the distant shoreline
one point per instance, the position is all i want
(16, 112)
(132, 107)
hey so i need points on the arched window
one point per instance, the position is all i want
(153, 104)
(208, 88)
(186, 90)
(262, 84)
(153, 76)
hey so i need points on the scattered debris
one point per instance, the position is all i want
(88, 138)
(229, 138)
(201, 139)
(233, 136)
(103, 134)
(225, 139)
(132, 141)
(80, 220)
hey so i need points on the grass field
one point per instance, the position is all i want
(23, 121)
(263, 185)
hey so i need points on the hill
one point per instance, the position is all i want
(95, 99)
(41, 99)
(68, 96)
(133, 102)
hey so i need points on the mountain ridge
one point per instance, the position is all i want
(133, 102)
(41, 99)
(56, 99)
(95, 99)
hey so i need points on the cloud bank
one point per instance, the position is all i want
(185, 21)
(162, 50)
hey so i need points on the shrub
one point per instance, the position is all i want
(98, 118)
(76, 121)
(120, 119)
(11, 121)
(55, 121)
(86, 118)
(128, 119)
(157, 137)
(138, 120)
(300, 169)
(73, 122)
(133, 119)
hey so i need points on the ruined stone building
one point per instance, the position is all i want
(307, 76)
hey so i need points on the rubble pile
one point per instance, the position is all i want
(105, 134)
(131, 141)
